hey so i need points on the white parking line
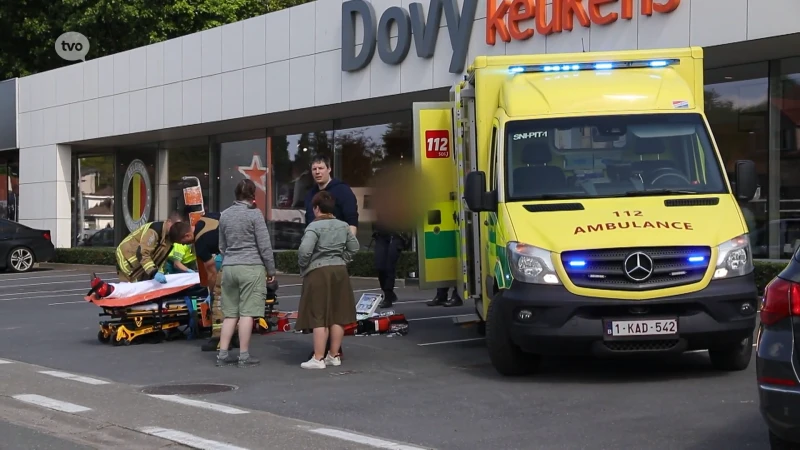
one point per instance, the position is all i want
(60, 291)
(188, 439)
(366, 440)
(33, 275)
(3, 361)
(451, 342)
(298, 296)
(51, 403)
(439, 317)
(50, 283)
(199, 404)
(73, 377)
(68, 303)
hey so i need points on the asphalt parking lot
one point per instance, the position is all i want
(433, 388)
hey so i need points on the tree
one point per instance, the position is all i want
(29, 28)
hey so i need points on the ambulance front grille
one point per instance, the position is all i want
(658, 267)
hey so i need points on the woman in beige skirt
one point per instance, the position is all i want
(327, 303)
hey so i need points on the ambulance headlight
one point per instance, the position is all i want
(531, 264)
(734, 259)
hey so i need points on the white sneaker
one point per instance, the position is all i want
(313, 364)
(332, 360)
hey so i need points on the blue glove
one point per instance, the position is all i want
(160, 278)
(189, 270)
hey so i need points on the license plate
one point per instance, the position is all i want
(656, 327)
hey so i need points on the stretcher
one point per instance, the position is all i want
(158, 312)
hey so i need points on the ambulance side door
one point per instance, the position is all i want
(490, 250)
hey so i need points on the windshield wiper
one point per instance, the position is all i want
(647, 193)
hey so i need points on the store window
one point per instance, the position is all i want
(786, 118)
(240, 160)
(290, 158)
(736, 103)
(9, 188)
(188, 160)
(93, 217)
(364, 153)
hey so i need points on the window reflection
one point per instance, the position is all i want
(364, 152)
(787, 105)
(736, 100)
(187, 162)
(9, 189)
(290, 158)
(239, 160)
(94, 204)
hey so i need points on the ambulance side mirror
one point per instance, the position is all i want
(478, 200)
(746, 180)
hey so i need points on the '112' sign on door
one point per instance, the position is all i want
(437, 144)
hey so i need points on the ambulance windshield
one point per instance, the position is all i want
(610, 156)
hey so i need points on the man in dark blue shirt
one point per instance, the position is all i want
(346, 208)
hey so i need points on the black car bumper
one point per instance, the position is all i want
(779, 408)
(565, 323)
(44, 252)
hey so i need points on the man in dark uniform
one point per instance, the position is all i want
(206, 247)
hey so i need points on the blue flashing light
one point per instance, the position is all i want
(696, 259)
(577, 263)
(609, 65)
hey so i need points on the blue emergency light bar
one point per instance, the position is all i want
(593, 66)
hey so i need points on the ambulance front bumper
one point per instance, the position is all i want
(550, 320)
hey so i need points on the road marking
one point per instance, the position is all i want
(366, 440)
(8, 276)
(358, 290)
(68, 303)
(50, 283)
(451, 342)
(3, 361)
(56, 292)
(439, 317)
(38, 297)
(188, 439)
(86, 275)
(73, 377)
(199, 404)
(50, 403)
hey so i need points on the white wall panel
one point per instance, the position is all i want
(155, 64)
(328, 35)
(155, 108)
(24, 94)
(122, 113)
(416, 74)
(37, 127)
(301, 83)
(122, 72)
(173, 61)
(232, 46)
(210, 98)
(137, 115)
(277, 44)
(767, 18)
(441, 62)
(62, 123)
(254, 80)
(278, 84)
(105, 116)
(173, 105)
(91, 119)
(302, 20)
(69, 85)
(91, 79)
(667, 30)
(192, 101)
(105, 76)
(254, 41)
(50, 126)
(192, 56)
(619, 35)
(232, 94)
(24, 129)
(356, 85)
(327, 78)
(138, 69)
(384, 79)
(211, 55)
(76, 121)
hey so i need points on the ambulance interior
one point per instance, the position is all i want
(610, 156)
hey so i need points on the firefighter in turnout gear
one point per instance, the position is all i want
(206, 245)
(142, 254)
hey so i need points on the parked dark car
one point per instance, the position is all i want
(778, 343)
(21, 247)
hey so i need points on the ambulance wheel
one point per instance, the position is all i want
(482, 328)
(506, 357)
(102, 337)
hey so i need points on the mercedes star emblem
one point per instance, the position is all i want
(638, 266)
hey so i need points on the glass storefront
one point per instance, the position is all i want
(9, 185)
(187, 159)
(93, 200)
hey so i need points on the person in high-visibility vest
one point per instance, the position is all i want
(181, 259)
(142, 254)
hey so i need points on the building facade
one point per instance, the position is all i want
(103, 145)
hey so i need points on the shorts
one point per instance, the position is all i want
(216, 308)
(244, 291)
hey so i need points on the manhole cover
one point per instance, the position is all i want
(188, 389)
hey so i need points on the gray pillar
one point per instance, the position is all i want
(774, 164)
(162, 185)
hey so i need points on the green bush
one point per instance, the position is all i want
(361, 266)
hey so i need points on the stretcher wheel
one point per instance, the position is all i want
(102, 337)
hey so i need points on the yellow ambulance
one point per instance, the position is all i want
(580, 200)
